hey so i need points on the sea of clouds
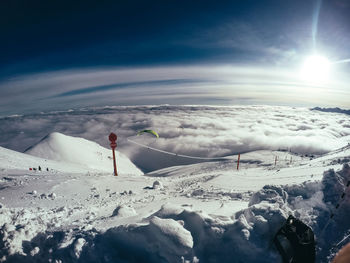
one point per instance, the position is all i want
(204, 131)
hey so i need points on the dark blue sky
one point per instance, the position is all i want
(45, 36)
(37, 35)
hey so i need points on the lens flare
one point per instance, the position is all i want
(315, 69)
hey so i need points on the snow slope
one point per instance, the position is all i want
(59, 147)
(12, 160)
(206, 212)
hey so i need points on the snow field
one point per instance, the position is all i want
(177, 232)
(207, 212)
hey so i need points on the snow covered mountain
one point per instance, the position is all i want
(59, 147)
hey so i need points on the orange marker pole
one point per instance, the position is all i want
(239, 157)
(275, 160)
(114, 163)
(112, 138)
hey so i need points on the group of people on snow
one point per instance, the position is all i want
(39, 168)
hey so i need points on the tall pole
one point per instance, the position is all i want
(114, 163)
(113, 138)
(239, 157)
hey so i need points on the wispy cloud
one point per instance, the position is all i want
(210, 84)
(154, 83)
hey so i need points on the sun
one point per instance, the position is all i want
(316, 69)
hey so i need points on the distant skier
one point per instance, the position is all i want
(47, 169)
(39, 168)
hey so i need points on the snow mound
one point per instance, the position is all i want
(157, 185)
(78, 247)
(59, 147)
(168, 210)
(124, 211)
(160, 240)
(17, 226)
(172, 234)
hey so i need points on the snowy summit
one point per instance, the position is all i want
(62, 148)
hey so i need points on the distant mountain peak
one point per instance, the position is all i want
(335, 110)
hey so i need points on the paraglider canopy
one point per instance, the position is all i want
(148, 131)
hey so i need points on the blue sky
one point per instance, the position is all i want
(53, 39)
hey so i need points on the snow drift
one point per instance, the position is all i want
(180, 234)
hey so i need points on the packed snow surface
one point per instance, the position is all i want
(78, 211)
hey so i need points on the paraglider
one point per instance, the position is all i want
(148, 131)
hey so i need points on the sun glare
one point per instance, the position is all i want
(315, 69)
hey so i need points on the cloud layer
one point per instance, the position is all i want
(192, 130)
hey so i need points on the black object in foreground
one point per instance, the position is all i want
(295, 242)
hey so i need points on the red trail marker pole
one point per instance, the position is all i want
(113, 138)
(239, 157)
